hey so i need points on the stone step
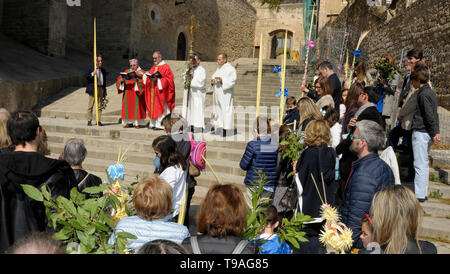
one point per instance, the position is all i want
(436, 208)
(440, 158)
(106, 155)
(436, 228)
(58, 140)
(438, 187)
(442, 174)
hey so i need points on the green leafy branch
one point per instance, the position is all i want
(288, 230)
(293, 148)
(85, 222)
(386, 69)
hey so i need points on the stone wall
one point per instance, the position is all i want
(80, 26)
(225, 26)
(237, 21)
(113, 27)
(57, 28)
(27, 95)
(27, 22)
(411, 24)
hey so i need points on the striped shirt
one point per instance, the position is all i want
(147, 231)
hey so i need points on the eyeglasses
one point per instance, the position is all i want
(354, 137)
(317, 87)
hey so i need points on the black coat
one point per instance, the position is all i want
(291, 116)
(337, 91)
(316, 161)
(85, 182)
(19, 214)
(90, 81)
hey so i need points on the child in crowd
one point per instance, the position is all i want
(366, 235)
(171, 167)
(268, 239)
(332, 117)
(175, 126)
(260, 155)
(292, 113)
(342, 108)
(366, 230)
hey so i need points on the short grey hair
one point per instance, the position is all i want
(134, 61)
(373, 133)
(74, 152)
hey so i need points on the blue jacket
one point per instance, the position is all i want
(369, 175)
(260, 154)
(273, 246)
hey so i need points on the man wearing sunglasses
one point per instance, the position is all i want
(369, 174)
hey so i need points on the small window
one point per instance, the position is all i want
(154, 14)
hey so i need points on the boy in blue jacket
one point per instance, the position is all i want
(268, 241)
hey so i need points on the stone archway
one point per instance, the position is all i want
(277, 42)
(181, 47)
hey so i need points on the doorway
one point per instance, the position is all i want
(181, 47)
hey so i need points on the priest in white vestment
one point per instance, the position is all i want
(223, 82)
(196, 107)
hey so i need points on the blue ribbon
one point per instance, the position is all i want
(276, 69)
(116, 172)
(285, 93)
(357, 53)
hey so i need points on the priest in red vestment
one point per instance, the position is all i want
(159, 91)
(133, 98)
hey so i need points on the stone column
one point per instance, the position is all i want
(57, 28)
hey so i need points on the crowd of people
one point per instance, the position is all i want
(343, 131)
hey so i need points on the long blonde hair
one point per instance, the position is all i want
(307, 109)
(5, 141)
(396, 215)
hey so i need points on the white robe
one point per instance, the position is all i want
(196, 107)
(224, 97)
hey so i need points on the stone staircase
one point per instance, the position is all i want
(64, 118)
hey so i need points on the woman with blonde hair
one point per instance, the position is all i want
(315, 178)
(308, 112)
(222, 219)
(5, 141)
(397, 215)
(152, 200)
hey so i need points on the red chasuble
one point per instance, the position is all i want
(155, 98)
(133, 102)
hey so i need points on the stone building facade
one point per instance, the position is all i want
(272, 24)
(131, 28)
